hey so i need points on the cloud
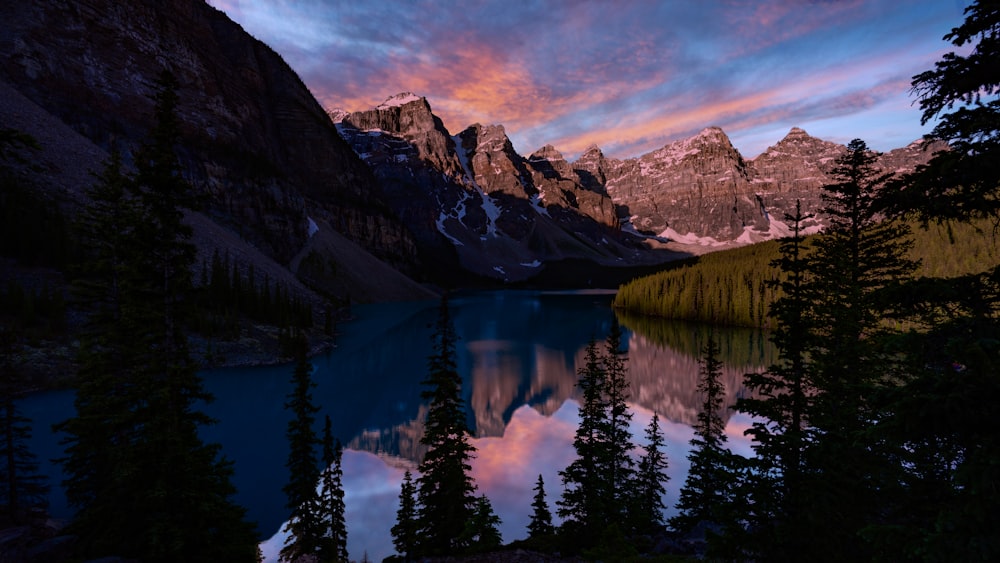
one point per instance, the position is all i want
(628, 76)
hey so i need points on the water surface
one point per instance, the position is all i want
(519, 353)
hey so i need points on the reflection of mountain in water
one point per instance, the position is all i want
(518, 349)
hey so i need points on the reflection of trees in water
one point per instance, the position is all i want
(738, 346)
(663, 373)
(663, 363)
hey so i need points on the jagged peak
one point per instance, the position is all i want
(796, 134)
(708, 135)
(400, 99)
(548, 152)
(337, 115)
(593, 149)
(711, 131)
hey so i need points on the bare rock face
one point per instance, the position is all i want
(701, 190)
(473, 203)
(254, 140)
(699, 185)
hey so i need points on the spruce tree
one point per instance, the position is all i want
(597, 485)
(22, 487)
(540, 526)
(331, 508)
(650, 483)
(962, 94)
(305, 525)
(857, 261)
(445, 488)
(780, 403)
(939, 418)
(144, 483)
(482, 532)
(405, 531)
(618, 467)
(103, 436)
(706, 491)
(583, 505)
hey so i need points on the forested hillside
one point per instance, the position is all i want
(736, 287)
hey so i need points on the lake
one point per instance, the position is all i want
(518, 354)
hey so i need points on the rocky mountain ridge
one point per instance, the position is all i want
(255, 142)
(475, 205)
(403, 198)
(694, 192)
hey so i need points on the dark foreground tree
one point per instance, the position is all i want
(650, 483)
(780, 403)
(445, 490)
(305, 526)
(618, 466)
(940, 419)
(583, 505)
(963, 93)
(144, 484)
(22, 487)
(598, 484)
(333, 542)
(858, 262)
(405, 531)
(482, 533)
(540, 526)
(706, 491)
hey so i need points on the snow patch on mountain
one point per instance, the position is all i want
(399, 100)
(690, 238)
(490, 206)
(313, 227)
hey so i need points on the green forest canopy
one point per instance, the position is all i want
(732, 287)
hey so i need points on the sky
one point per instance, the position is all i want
(626, 75)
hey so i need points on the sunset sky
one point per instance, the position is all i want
(629, 76)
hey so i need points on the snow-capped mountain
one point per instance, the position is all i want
(489, 199)
(475, 205)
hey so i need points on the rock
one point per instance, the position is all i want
(254, 139)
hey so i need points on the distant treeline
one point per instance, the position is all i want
(736, 287)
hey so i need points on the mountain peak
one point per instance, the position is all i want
(400, 99)
(796, 134)
(548, 152)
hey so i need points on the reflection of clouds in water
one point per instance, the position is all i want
(505, 470)
(371, 497)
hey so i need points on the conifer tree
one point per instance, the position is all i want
(856, 261)
(21, 485)
(305, 525)
(583, 505)
(103, 434)
(145, 484)
(780, 402)
(541, 518)
(482, 532)
(333, 542)
(650, 483)
(962, 94)
(405, 531)
(445, 488)
(597, 485)
(618, 467)
(707, 488)
(940, 418)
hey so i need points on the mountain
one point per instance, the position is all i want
(477, 205)
(474, 205)
(702, 191)
(357, 205)
(275, 174)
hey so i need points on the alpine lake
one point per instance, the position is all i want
(519, 353)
